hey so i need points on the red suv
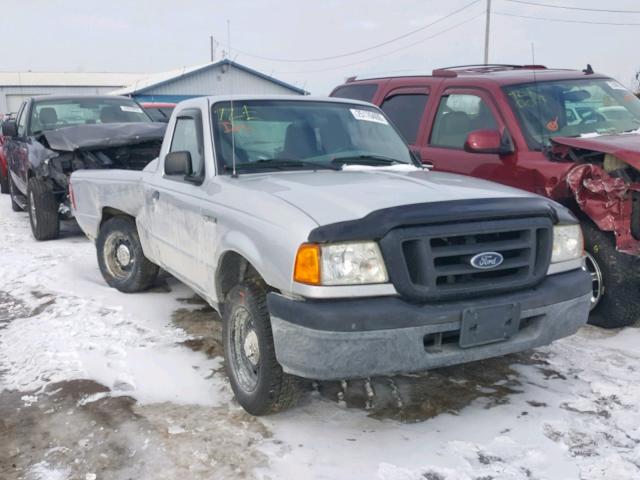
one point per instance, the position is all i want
(573, 136)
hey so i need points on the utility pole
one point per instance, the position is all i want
(487, 30)
(211, 47)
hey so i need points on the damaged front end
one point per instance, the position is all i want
(114, 146)
(606, 183)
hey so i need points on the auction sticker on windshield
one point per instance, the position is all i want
(615, 85)
(368, 116)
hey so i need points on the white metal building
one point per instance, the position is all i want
(16, 86)
(219, 78)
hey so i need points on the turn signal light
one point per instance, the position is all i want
(307, 267)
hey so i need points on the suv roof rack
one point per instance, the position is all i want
(482, 68)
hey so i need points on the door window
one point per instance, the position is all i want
(405, 111)
(364, 92)
(457, 116)
(22, 121)
(187, 137)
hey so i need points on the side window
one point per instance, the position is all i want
(457, 116)
(405, 111)
(187, 137)
(363, 92)
(22, 121)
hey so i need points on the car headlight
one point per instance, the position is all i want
(567, 243)
(351, 263)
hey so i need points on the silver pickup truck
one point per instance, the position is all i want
(328, 250)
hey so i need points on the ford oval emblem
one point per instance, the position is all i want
(486, 260)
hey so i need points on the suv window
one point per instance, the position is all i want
(22, 120)
(405, 111)
(363, 92)
(458, 115)
(187, 137)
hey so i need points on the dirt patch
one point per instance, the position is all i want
(203, 324)
(113, 438)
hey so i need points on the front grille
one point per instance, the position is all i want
(434, 262)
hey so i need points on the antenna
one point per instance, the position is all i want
(234, 174)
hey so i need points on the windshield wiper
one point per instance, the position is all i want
(373, 160)
(280, 164)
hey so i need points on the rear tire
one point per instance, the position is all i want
(120, 256)
(15, 206)
(4, 182)
(257, 379)
(618, 302)
(43, 210)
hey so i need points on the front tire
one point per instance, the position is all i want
(43, 210)
(257, 379)
(616, 292)
(120, 256)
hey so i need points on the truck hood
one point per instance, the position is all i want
(335, 196)
(625, 146)
(91, 137)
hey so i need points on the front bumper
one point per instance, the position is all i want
(356, 338)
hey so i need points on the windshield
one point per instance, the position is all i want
(571, 108)
(54, 114)
(289, 134)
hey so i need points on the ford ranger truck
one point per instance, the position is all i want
(328, 250)
(572, 136)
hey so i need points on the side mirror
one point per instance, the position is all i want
(10, 128)
(178, 163)
(488, 141)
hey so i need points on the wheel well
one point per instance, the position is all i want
(108, 213)
(234, 269)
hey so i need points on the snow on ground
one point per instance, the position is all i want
(95, 382)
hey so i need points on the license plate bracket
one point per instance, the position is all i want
(484, 325)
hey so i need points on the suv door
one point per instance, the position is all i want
(173, 204)
(459, 112)
(17, 150)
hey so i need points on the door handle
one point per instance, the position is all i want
(428, 164)
(155, 195)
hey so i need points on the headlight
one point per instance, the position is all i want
(567, 243)
(353, 263)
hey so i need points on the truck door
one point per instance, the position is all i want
(460, 112)
(173, 205)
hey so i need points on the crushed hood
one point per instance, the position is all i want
(625, 146)
(91, 137)
(329, 197)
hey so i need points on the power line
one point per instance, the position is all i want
(362, 50)
(566, 20)
(481, 14)
(566, 7)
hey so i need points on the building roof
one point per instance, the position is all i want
(142, 85)
(68, 79)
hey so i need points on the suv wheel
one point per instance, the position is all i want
(43, 210)
(616, 293)
(257, 379)
(120, 256)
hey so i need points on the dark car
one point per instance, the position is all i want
(54, 135)
(573, 136)
(158, 111)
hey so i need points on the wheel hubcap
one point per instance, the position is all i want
(123, 255)
(118, 255)
(597, 283)
(244, 350)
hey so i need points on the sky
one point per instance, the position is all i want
(153, 36)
